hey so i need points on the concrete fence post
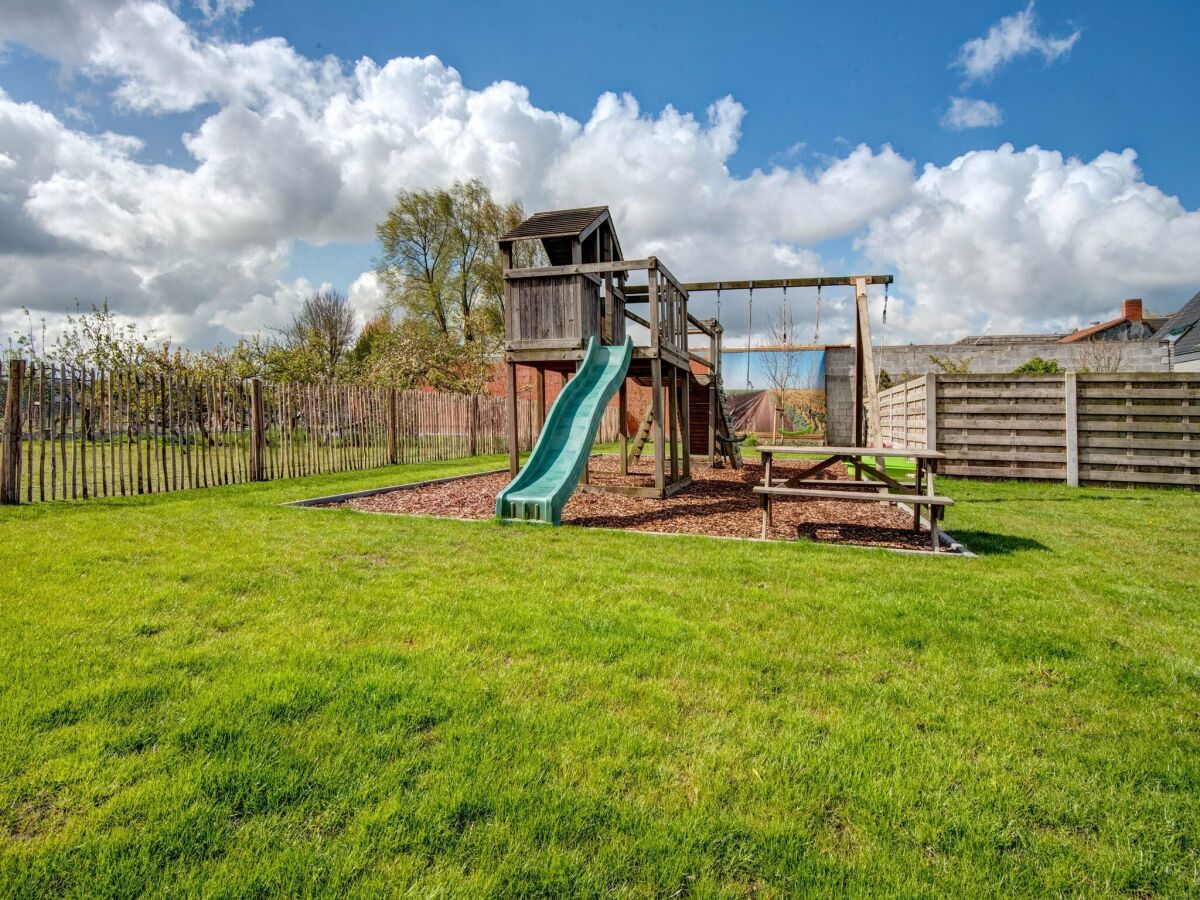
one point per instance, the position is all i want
(1071, 410)
(931, 442)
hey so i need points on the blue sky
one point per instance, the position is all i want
(847, 103)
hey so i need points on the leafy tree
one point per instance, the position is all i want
(442, 272)
(98, 339)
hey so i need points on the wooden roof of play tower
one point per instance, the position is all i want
(558, 229)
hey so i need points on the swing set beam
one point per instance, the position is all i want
(779, 348)
(769, 283)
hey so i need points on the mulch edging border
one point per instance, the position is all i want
(332, 499)
(955, 548)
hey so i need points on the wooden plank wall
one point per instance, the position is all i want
(552, 312)
(89, 433)
(1125, 428)
(902, 414)
(1139, 429)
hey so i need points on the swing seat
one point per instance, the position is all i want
(735, 439)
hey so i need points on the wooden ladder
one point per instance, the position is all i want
(643, 435)
(732, 450)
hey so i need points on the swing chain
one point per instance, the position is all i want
(817, 323)
(886, 286)
(785, 316)
(749, 337)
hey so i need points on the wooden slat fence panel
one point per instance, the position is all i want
(1139, 428)
(902, 414)
(1128, 428)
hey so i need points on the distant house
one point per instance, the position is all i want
(1182, 332)
(1127, 343)
(1131, 325)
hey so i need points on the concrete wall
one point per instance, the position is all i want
(839, 396)
(1136, 356)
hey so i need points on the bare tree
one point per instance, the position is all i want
(782, 364)
(1098, 356)
(325, 324)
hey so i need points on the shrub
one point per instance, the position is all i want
(1039, 366)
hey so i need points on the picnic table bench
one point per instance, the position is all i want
(884, 488)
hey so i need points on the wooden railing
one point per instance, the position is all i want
(667, 318)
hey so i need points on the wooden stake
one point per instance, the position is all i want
(257, 464)
(10, 450)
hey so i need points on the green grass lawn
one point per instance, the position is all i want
(207, 693)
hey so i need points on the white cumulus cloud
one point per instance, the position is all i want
(1012, 37)
(965, 112)
(1018, 239)
(317, 149)
(292, 148)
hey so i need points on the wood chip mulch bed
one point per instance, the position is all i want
(718, 502)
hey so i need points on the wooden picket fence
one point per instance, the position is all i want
(1138, 428)
(78, 434)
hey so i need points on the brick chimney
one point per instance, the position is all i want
(1131, 310)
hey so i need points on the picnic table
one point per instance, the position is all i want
(883, 487)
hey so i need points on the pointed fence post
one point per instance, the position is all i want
(473, 425)
(257, 460)
(391, 425)
(10, 453)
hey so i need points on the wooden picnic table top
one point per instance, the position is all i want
(907, 452)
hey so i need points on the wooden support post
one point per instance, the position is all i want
(685, 406)
(766, 498)
(587, 463)
(652, 297)
(10, 452)
(673, 422)
(1071, 398)
(540, 398)
(609, 328)
(622, 440)
(930, 471)
(919, 486)
(656, 403)
(514, 457)
(257, 443)
(713, 375)
(858, 390)
(931, 439)
(866, 383)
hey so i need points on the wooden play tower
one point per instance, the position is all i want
(552, 312)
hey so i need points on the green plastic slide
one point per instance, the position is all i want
(540, 490)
